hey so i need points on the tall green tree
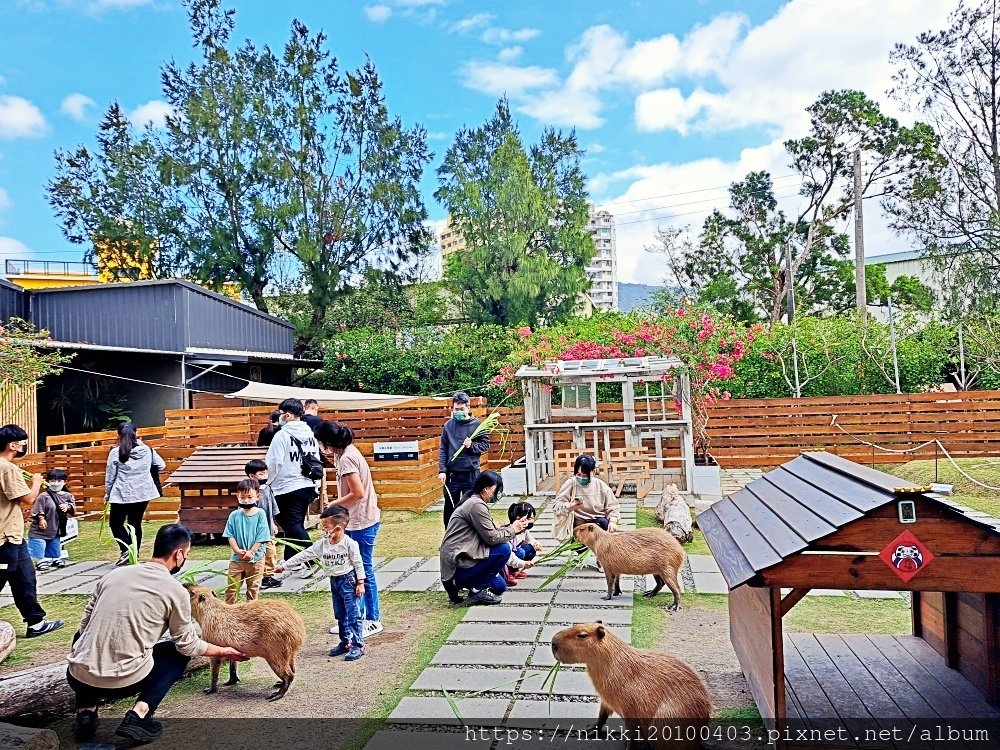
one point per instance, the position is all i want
(951, 78)
(276, 169)
(523, 214)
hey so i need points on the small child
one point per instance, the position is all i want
(341, 558)
(247, 533)
(49, 514)
(524, 545)
(257, 469)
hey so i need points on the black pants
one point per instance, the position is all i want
(456, 484)
(131, 513)
(292, 510)
(168, 667)
(16, 567)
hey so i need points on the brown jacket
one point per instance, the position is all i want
(470, 534)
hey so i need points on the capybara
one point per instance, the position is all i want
(270, 629)
(657, 695)
(639, 552)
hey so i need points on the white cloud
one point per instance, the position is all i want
(564, 106)
(471, 23)
(14, 248)
(437, 135)
(497, 35)
(595, 148)
(19, 118)
(4, 200)
(496, 79)
(378, 13)
(154, 112)
(670, 109)
(509, 54)
(75, 106)
(418, 3)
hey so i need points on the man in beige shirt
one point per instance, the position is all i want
(118, 652)
(15, 562)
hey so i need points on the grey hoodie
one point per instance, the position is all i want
(131, 482)
(284, 465)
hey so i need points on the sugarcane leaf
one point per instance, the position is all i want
(453, 704)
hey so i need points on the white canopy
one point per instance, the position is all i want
(339, 400)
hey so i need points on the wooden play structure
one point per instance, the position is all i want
(823, 522)
(637, 442)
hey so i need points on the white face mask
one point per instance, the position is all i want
(56, 486)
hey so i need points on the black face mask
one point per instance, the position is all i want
(21, 453)
(177, 568)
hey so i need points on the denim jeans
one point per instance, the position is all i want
(486, 573)
(365, 538)
(168, 667)
(345, 608)
(16, 567)
(45, 548)
(525, 551)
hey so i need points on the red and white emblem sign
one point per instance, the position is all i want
(906, 555)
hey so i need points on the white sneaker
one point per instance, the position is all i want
(309, 572)
(335, 630)
(372, 628)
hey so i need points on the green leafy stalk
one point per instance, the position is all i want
(550, 681)
(28, 476)
(132, 548)
(298, 546)
(490, 426)
(105, 514)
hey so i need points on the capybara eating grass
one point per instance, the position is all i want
(640, 552)
(270, 629)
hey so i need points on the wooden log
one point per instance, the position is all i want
(7, 641)
(25, 738)
(40, 695)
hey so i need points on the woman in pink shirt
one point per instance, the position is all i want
(356, 493)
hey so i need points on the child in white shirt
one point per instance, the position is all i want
(524, 546)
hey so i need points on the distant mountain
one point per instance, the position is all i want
(632, 296)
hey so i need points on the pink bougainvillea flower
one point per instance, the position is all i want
(524, 331)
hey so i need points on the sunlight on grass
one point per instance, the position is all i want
(645, 518)
(985, 470)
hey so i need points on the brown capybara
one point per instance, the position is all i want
(658, 696)
(270, 629)
(641, 552)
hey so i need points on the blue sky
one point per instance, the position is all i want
(673, 99)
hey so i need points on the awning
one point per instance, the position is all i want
(341, 400)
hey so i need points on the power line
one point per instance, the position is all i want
(691, 203)
(685, 192)
(685, 213)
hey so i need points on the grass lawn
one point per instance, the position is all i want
(53, 647)
(646, 518)
(986, 470)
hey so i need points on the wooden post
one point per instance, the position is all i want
(859, 243)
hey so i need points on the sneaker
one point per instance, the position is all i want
(269, 582)
(308, 572)
(123, 560)
(335, 630)
(141, 730)
(43, 627)
(484, 597)
(521, 574)
(372, 627)
(43, 565)
(340, 649)
(85, 726)
(61, 562)
(354, 654)
(453, 591)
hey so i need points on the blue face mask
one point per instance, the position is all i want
(583, 481)
(459, 416)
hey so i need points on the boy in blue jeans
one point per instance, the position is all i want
(341, 559)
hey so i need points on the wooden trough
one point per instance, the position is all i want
(823, 522)
(207, 481)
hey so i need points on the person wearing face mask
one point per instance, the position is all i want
(248, 535)
(292, 491)
(51, 510)
(474, 549)
(458, 474)
(587, 498)
(257, 469)
(15, 561)
(118, 651)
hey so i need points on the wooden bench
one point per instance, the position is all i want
(629, 466)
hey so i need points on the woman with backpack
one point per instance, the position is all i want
(293, 452)
(129, 485)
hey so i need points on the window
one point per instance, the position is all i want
(578, 399)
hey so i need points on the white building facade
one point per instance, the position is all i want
(603, 269)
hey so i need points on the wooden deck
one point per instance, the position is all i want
(876, 681)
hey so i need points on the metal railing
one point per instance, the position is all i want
(47, 267)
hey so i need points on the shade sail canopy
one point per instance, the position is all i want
(339, 400)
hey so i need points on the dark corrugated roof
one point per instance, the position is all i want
(791, 507)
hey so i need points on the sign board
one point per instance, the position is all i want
(401, 450)
(906, 555)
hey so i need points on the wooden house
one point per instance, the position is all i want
(823, 522)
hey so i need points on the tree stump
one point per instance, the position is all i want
(7, 640)
(23, 738)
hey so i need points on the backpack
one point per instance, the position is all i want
(312, 467)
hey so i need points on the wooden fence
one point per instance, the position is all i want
(19, 405)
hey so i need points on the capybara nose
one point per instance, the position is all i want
(555, 650)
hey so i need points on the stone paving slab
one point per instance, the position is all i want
(876, 594)
(468, 680)
(543, 709)
(589, 584)
(386, 578)
(505, 614)
(388, 739)
(438, 711)
(65, 585)
(418, 581)
(492, 633)
(608, 614)
(622, 631)
(594, 598)
(401, 563)
(710, 583)
(6, 601)
(431, 564)
(503, 656)
(703, 564)
(376, 561)
(567, 683)
(521, 596)
(92, 567)
(826, 592)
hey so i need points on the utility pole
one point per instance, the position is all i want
(859, 243)
(892, 335)
(789, 280)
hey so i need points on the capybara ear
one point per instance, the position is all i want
(600, 622)
(202, 597)
(590, 527)
(600, 632)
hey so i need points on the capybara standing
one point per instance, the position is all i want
(270, 629)
(640, 552)
(657, 695)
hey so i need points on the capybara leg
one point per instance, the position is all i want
(602, 717)
(675, 589)
(618, 585)
(612, 581)
(286, 671)
(216, 664)
(233, 676)
(656, 589)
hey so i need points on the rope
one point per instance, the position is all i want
(897, 451)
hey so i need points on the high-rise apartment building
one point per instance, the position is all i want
(603, 269)
(451, 241)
